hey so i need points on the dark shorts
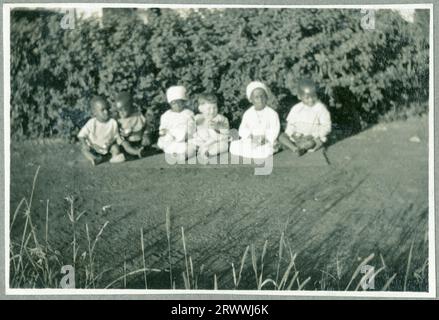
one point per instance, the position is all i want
(104, 157)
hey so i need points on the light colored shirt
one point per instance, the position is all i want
(213, 129)
(100, 135)
(264, 122)
(180, 125)
(314, 121)
(132, 128)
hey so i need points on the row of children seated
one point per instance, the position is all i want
(184, 134)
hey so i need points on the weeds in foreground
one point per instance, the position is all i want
(35, 264)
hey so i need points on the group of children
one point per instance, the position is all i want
(183, 134)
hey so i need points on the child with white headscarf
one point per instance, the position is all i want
(259, 127)
(177, 125)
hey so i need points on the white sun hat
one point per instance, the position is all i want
(252, 86)
(176, 93)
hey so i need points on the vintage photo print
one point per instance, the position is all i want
(278, 150)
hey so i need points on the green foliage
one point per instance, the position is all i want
(364, 75)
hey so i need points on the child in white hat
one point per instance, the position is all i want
(177, 125)
(259, 127)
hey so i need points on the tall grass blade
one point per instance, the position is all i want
(287, 273)
(244, 257)
(254, 262)
(132, 273)
(234, 275)
(301, 286)
(290, 286)
(186, 281)
(168, 236)
(279, 261)
(47, 224)
(125, 271)
(185, 254)
(409, 261)
(387, 284)
(143, 257)
(99, 235)
(191, 267)
(17, 210)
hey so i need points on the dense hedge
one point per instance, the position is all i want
(363, 74)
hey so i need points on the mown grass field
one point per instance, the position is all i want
(370, 202)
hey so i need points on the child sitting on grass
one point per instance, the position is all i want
(100, 135)
(177, 125)
(212, 134)
(308, 123)
(259, 127)
(132, 126)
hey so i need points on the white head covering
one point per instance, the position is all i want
(255, 85)
(176, 93)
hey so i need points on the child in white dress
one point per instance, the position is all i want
(177, 125)
(259, 127)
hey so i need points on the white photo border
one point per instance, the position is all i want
(214, 293)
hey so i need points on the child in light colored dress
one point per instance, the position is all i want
(212, 129)
(177, 125)
(308, 123)
(132, 126)
(259, 127)
(99, 137)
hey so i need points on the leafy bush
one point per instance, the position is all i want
(364, 75)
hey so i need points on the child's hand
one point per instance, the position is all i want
(260, 140)
(84, 145)
(319, 144)
(146, 141)
(140, 152)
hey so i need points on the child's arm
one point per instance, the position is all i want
(146, 140)
(273, 131)
(324, 128)
(83, 134)
(130, 149)
(83, 143)
(324, 124)
(244, 128)
(319, 144)
(184, 131)
(222, 126)
(291, 122)
(86, 151)
(163, 128)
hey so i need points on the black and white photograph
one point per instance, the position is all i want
(236, 149)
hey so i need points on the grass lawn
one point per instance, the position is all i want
(371, 199)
